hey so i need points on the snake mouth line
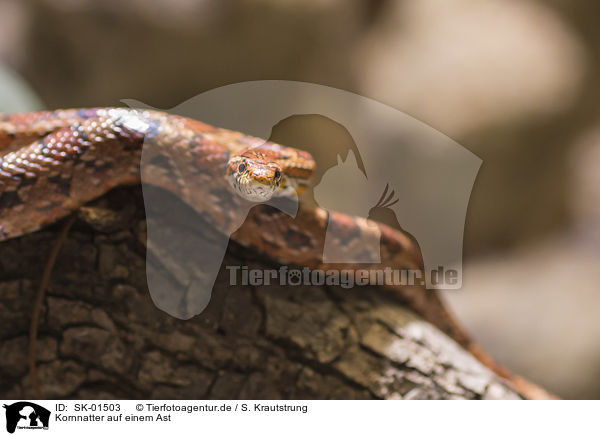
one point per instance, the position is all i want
(251, 189)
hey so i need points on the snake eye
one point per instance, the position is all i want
(277, 174)
(241, 168)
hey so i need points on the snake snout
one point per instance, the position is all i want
(253, 179)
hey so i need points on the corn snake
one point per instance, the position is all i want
(53, 162)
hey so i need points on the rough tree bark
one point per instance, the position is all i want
(101, 336)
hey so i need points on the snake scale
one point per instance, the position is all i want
(53, 162)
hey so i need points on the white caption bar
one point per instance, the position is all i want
(298, 417)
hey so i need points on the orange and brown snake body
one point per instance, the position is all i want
(53, 162)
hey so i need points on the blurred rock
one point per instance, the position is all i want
(460, 66)
(584, 186)
(536, 311)
(14, 20)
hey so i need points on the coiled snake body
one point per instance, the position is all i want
(51, 163)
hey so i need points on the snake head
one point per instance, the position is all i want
(253, 176)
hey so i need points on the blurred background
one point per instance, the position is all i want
(515, 81)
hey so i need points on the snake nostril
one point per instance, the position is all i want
(277, 174)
